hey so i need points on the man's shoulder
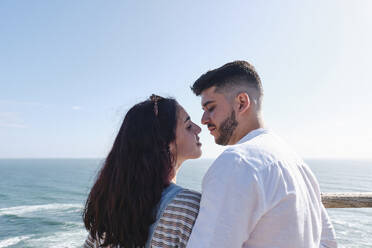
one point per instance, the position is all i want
(254, 156)
(233, 170)
(268, 148)
(232, 161)
(250, 153)
(230, 157)
(230, 154)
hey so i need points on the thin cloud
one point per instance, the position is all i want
(12, 125)
(22, 103)
(11, 120)
(77, 107)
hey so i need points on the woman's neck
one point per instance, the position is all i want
(174, 179)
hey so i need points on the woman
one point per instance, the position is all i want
(134, 202)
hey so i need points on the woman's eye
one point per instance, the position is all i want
(188, 127)
(211, 109)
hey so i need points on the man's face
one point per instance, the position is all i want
(218, 115)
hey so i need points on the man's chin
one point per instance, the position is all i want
(218, 141)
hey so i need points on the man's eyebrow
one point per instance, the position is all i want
(207, 102)
(187, 118)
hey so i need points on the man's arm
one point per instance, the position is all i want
(328, 238)
(231, 204)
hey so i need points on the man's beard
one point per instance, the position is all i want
(227, 129)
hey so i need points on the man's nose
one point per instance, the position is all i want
(205, 118)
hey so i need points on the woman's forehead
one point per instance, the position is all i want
(182, 114)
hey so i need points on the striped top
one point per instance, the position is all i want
(175, 224)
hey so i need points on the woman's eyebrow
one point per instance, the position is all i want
(187, 118)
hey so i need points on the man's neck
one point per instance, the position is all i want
(244, 128)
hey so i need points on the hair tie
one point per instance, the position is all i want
(154, 98)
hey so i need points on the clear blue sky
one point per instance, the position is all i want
(69, 70)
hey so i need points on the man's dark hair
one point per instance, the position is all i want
(230, 75)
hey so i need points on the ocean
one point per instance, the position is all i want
(41, 200)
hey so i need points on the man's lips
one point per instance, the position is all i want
(211, 128)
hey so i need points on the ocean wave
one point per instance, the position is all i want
(12, 241)
(74, 224)
(19, 210)
(72, 238)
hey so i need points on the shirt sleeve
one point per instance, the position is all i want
(232, 203)
(328, 237)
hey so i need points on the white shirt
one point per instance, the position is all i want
(260, 194)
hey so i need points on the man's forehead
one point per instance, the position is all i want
(209, 95)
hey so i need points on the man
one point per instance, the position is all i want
(258, 193)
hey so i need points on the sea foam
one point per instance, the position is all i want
(12, 241)
(72, 238)
(20, 210)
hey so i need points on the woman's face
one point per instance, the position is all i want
(186, 145)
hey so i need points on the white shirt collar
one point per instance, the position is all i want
(253, 134)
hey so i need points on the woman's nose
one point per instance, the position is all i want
(197, 129)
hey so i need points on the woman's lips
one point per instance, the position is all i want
(197, 141)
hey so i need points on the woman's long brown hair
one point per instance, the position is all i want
(122, 203)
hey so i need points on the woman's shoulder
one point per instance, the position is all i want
(175, 224)
(188, 195)
(185, 203)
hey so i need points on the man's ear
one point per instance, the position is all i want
(242, 102)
